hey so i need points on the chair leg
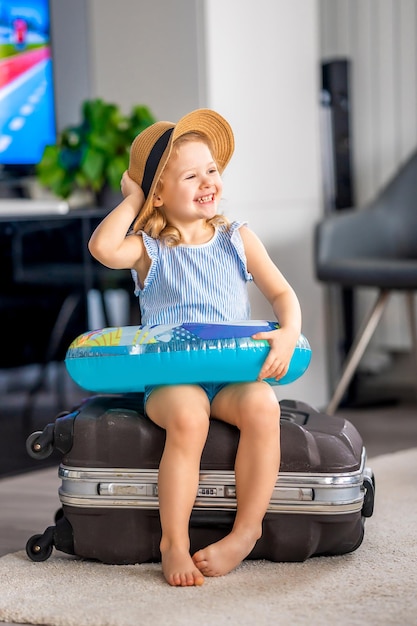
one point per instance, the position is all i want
(412, 318)
(333, 324)
(357, 350)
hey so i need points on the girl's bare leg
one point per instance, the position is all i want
(183, 411)
(254, 409)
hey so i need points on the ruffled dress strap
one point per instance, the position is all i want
(237, 242)
(152, 248)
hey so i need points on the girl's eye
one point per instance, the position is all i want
(190, 176)
(213, 170)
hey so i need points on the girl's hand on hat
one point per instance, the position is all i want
(130, 188)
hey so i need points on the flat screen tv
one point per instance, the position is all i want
(27, 105)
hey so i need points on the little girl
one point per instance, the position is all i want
(192, 265)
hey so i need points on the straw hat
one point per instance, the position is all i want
(150, 150)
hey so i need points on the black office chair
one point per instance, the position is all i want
(373, 246)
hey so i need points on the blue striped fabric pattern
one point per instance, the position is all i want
(203, 283)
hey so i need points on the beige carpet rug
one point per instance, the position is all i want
(376, 584)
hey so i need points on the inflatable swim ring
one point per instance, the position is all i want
(127, 358)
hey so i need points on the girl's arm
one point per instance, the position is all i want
(284, 302)
(109, 242)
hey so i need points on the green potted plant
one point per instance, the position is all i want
(94, 154)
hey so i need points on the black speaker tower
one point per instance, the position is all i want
(336, 99)
(335, 84)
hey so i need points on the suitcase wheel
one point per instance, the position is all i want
(36, 448)
(39, 547)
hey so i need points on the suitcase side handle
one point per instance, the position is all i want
(369, 497)
(205, 519)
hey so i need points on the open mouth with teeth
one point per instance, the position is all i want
(204, 199)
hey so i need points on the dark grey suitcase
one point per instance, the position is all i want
(110, 457)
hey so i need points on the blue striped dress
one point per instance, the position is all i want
(203, 283)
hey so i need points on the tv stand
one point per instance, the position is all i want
(46, 277)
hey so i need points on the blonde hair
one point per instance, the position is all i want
(157, 226)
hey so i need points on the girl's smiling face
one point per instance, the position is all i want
(191, 186)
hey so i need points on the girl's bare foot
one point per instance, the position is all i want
(222, 557)
(179, 569)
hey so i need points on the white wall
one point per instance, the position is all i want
(262, 74)
(146, 51)
(257, 64)
(72, 60)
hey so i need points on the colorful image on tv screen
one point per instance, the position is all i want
(27, 116)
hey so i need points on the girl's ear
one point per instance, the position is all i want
(157, 201)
